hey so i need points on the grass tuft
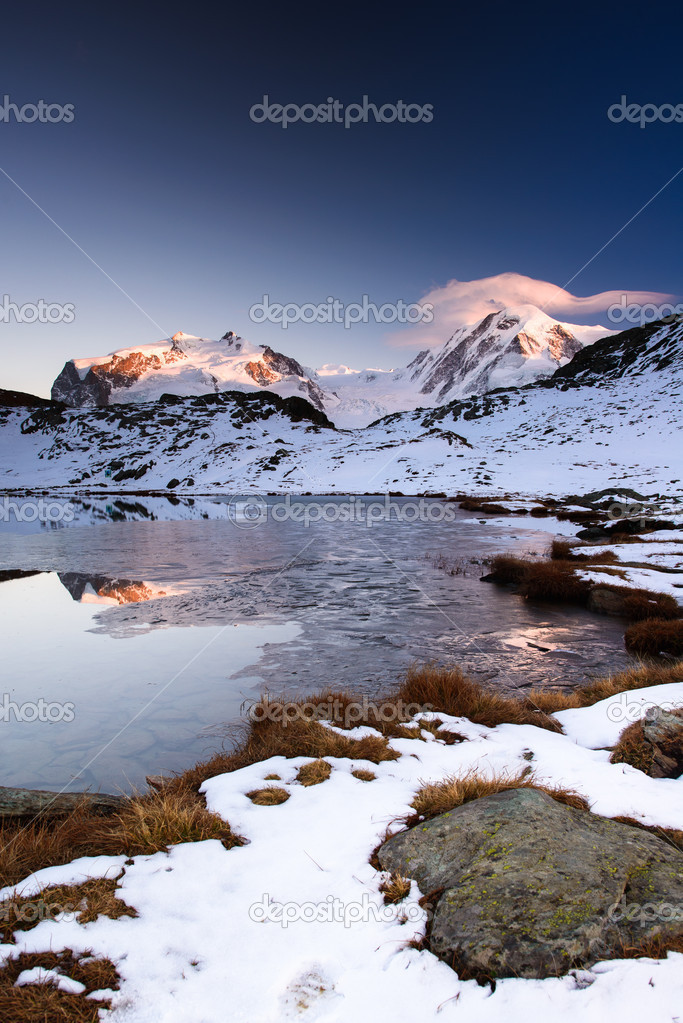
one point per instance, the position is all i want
(654, 948)
(150, 825)
(448, 691)
(314, 773)
(632, 748)
(641, 605)
(437, 798)
(396, 888)
(89, 900)
(363, 775)
(642, 677)
(271, 795)
(554, 581)
(653, 637)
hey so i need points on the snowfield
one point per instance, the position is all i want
(292, 926)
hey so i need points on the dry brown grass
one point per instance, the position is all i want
(150, 825)
(145, 824)
(561, 550)
(639, 605)
(42, 842)
(565, 550)
(270, 795)
(385, 713)
(580, 517)
(505, 568)
(541, 580)
(440, 797)
(260, 740)
(633, 749)
(488, 507)
(363, 775)
(396, 888)
(314, 773)
(642, 677)
(653, 637)
(557, 580)
(89, 900)
(655, 948)
(554, 581)
(553, 700)
(448, 691)
(44, 1003)
(272, 777)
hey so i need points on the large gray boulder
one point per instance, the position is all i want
(526, 886)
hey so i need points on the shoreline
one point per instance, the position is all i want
(285, 765)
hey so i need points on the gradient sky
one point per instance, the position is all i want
(196, 211)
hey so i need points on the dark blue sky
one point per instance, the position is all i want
(196, 211)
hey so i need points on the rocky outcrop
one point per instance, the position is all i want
(653, 347)
(525, 886)
(664, 733)
(120, 372)
(91, 391)
(19, 399)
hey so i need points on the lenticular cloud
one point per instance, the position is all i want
(463, 302)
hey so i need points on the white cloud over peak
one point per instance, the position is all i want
(463, 302)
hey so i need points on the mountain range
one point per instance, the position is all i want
(609, 417)
(506, 348)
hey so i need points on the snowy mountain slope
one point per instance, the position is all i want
(506, 348)
(184, 365)
(640, 350)
(616, 423)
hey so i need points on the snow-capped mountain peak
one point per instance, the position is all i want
(182, 365)
(507, 348)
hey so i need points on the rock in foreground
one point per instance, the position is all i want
(20, 803)
(531, 887)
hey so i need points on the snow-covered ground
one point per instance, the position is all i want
(539, 441)
(293, 925)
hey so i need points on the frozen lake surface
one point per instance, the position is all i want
(148, 622)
